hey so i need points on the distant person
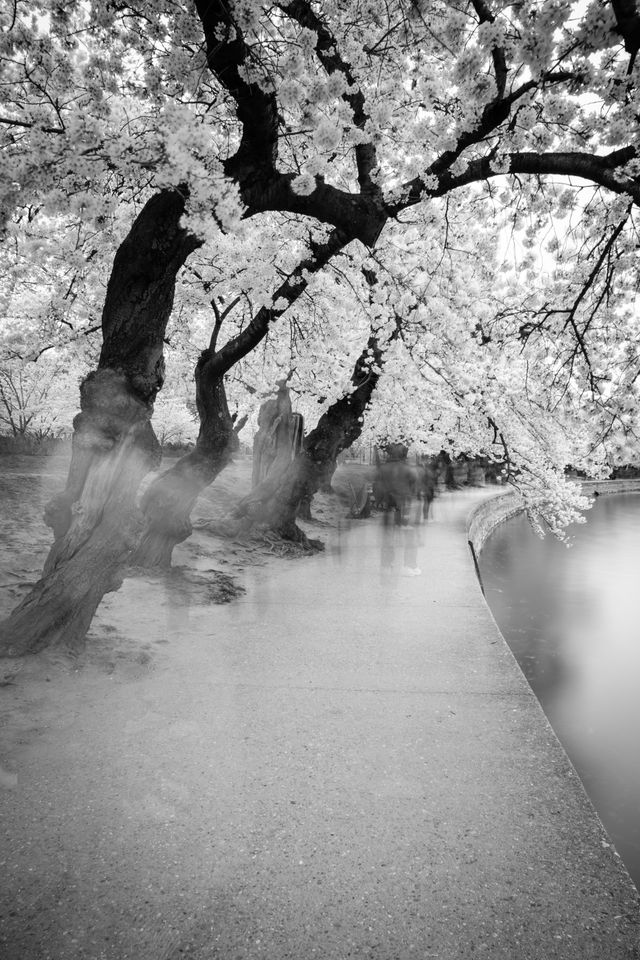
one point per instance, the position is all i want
(397, 489)
(427, 481)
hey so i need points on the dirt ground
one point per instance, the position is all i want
(208, 569)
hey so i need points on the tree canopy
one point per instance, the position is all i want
(421, 139)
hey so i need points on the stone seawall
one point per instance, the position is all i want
(484, 518)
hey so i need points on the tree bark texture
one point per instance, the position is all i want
(95, 519)
(168, 502)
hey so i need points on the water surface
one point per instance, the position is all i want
(572, 619)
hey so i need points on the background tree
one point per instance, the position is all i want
(37, 398)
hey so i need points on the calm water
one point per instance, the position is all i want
(572, 619)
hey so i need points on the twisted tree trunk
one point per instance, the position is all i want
(95, 520)
(168, 502)
(274, 504)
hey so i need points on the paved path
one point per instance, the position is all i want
(340, 765)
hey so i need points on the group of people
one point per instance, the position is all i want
(404, 493)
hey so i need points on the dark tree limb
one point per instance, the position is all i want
(253, 166)
(628, 27)
(286, 294)
(603, 170)
(220, 318)
(493, 115)
(499, 59)
(256, 109)
(361, 216)
(332, 61)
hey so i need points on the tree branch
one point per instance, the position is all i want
(220, 317)
(286, 294)
(495, 113)
(256, 109)
(499, 60)
(628, 26)
(360, 216)
(29, 126)
(602, 170)
(332, 61)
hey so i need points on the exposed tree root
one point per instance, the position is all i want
(189, 586)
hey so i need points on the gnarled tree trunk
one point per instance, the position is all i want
(168, 502)
(95, 520)
(274, 504)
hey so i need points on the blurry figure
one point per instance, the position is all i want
(396, 486)
(377, 487)
(426, 485)
(444, 472)
(477, 473)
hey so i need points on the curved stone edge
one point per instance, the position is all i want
(481, 521)
(486, 516)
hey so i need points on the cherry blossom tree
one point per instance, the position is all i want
(207, 115)
(38, 398)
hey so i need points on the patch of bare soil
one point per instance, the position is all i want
(208, 568)
(128, 629)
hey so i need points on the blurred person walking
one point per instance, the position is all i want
(397, 493)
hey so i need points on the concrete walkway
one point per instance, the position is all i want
(340, 765)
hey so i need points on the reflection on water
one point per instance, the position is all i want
(572, 619)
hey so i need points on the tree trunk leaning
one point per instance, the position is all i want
(95, 519)
(274, 504)
(168, 502)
